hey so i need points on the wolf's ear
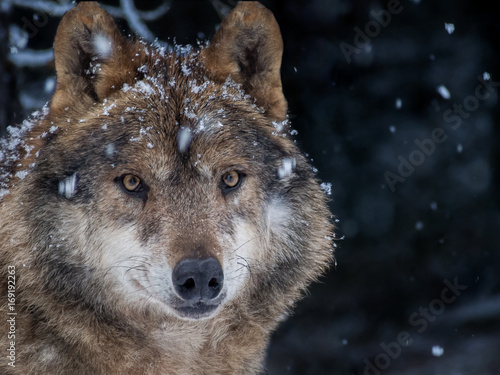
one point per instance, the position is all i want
(90, 56)
(248, 47)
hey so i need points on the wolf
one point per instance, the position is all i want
(157, 217)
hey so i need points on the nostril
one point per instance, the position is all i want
(213, 283)
(188, 284)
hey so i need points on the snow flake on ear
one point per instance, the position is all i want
(144, 88)
(196, 88)
(233, 91)
(147, 87)
(278, 215)
(67, 187)
(142, 133)
(281, 126)
(28, 150)
(110, 150)
(22, 174)
(201, 124)
(184, 138)
(185, 69)
(3, 192)
(126, 87)
(189, 112)
(327, 188)
(106, 109)
(102, 45)
(286, 168)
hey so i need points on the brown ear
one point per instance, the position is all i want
(88, 49)
(248, 47)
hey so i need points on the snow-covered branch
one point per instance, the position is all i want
(58, 8)
(31, 58)
(135, 18)
(53, 8)
(135, 21)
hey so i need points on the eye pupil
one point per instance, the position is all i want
(132, 183)
(231, 179)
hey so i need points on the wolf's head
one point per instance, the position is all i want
(165, 183)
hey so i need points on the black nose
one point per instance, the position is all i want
(198, 279)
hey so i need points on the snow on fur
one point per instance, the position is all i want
(10, 147)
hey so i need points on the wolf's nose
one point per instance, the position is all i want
(198, 279)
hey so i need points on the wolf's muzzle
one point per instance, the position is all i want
(198, 280)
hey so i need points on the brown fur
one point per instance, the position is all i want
(119, 112)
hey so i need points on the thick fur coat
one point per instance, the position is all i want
(146, 160)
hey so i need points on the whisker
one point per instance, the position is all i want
(244, 243)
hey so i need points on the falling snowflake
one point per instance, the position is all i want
(450, 28)
(443, 91)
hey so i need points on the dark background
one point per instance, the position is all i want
(357, 120)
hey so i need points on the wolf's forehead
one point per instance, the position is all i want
(173, 111)
(192, 108)
(207, 139)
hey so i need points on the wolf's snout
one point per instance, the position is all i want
(198, 279)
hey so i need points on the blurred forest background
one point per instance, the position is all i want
(396, 103)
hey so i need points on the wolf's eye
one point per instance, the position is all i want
(132, 183)
(231, 180)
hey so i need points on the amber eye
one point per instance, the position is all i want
(231, 179)
(132, 183)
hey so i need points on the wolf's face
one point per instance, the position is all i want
(177, 186)
(165, 182)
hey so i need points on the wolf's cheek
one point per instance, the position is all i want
(278, 215)
(125, 261)
(254, 246)
(241, 251)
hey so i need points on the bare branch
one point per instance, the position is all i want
(152, 15)
(56, 9)
(222, 8)
(134, 20)
(127, 10)
(31, 58)
(50, 7)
